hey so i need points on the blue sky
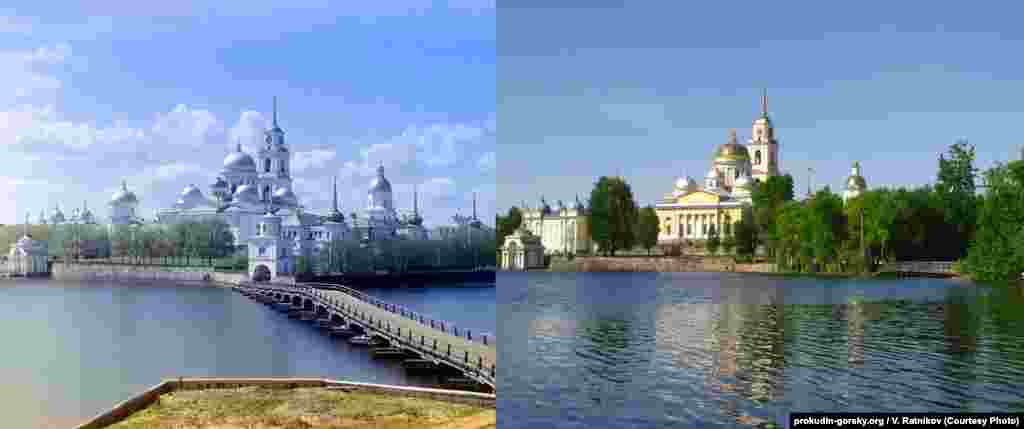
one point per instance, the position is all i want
(650, 91)
(157, 94)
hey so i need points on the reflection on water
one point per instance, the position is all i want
(726, 350)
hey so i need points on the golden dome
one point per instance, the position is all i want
(732, 150)
(856, 183)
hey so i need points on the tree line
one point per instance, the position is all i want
(949, 220)
(208, 243)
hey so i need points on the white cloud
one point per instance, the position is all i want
(249, 130)
(315, 158)
(174, 170)
(24, 77)
(488, 161)
(437, 188)
(19, 181)
(183, 125)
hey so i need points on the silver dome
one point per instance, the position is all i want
(239, 161)
(285, 196)
(247, 193)
(380, 183)
(124, 196)
(191, 196)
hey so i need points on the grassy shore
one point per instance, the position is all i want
(262, 408)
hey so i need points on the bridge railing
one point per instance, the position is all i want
(445, 326)
(482, 369)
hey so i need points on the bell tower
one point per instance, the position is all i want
(274, 161)
(763, 147)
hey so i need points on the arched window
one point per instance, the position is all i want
(282, 166)
(266, 165)
(757, 157)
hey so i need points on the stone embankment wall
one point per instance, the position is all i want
(63, 271)
(644, 264)
(143, 400)
(755, 268)
(658, 264)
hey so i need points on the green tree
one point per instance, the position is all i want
(997, 251)
(713, 242)
(768, 199)
(827, 227)
(728, 243)
(956, 188)
(745, 232)
(613, 214)
(120, 241)
(786, 233)
(506, 225)
(647, 228)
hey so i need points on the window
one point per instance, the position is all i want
(757, 157)
(689, 229)
(263, 251)
(668, 229)
(266, 165)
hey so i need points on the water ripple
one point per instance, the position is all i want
(705, 350)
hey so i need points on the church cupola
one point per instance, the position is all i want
(855, 183)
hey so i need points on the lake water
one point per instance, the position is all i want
(72, 350)
(646, 350)
(468, 305)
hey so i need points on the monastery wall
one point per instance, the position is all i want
(61, 271)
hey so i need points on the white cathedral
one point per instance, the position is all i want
(249, 188)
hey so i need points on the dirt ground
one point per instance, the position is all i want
(260, 408)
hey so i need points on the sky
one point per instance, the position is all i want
(157, 93)
(650, 90)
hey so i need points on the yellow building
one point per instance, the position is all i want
(690, 211)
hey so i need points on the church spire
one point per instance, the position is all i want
(474, 205)
(275, 112)
(335, 204)
(764, 102)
